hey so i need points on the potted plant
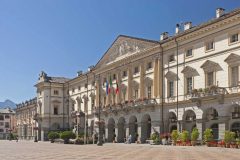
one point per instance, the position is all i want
(238, 142)
(66, 135)
(208, 136)
(185, 137)
(228, 138)
(194, 136)
(174, 136)
(52, 136)
(206, 90)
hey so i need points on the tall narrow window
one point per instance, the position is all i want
(209, 46)
(210, 79)
(136, 93)
(171, 89)
(55, 92)
(189, 85)
(136, 70)
(55, 110)
(234, 38)
(189, 53)
(234, 76)
(149, 92)
(93, 103)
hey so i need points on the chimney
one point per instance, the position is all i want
(187, 25)
(163, 36)
(219, 12)
(79, 73)
(177, 29)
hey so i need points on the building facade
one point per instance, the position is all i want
(139, 86)
(7, 122)
(26, 122)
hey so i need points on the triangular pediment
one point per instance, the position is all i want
(171, 76)
(232, 59)
(190, 72)
(123, 47)
(210, 66)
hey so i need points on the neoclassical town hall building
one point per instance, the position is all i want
(190, 79)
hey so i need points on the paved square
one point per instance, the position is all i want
(26, 150)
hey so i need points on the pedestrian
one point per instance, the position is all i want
(130, 139)
(16, 138)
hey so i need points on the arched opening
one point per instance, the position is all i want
(236, 128)
(111, 130)
(172, 119)
(121, 130)
(146, 128)
(214, 128)
(133, 127)
(190, 120)
(235, 111)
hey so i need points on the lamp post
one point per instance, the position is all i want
(100, 138)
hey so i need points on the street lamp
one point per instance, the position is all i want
(100, 136)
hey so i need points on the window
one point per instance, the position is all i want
(86, 85)
(171, 89)
(79, 88)
(209, 46)
(1, 118)
(114, 77)
(149, 65)
(93, 103)
(234, 76)
(189, 53)
(55, 110)
(234, 38)
(171, 58)
(136, 70)
(149, 92)
(210, 80)
(104, 81)
(136, 93)
(55, 92)
(189, 85)
(73, 90)
(1, 130)
(105, 100)
(1, 124)
(7, 116)
(124, 74)
(7, 125)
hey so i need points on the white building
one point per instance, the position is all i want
(190, 79)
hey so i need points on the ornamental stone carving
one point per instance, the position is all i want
(210, 66)
(190, 72)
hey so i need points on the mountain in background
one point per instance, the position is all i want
(7, 103)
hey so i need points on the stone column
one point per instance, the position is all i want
(199, 126)
(106, 133)
(118, 81)
(155, 79)
(98, 85)
(160, 86)
(116, 133)
(142, 75)
(139, 132)
(129, 87)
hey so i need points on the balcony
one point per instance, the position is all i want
(126, 106)
(213, 92)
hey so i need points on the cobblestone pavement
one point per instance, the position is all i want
(26, 150)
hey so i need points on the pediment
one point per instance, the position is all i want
(190, 72)
(123, 47)
(171, 76)
(232, 59)
(210, 66)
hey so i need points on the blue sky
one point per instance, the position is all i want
(64, 36)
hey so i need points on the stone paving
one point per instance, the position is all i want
(26, 150)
